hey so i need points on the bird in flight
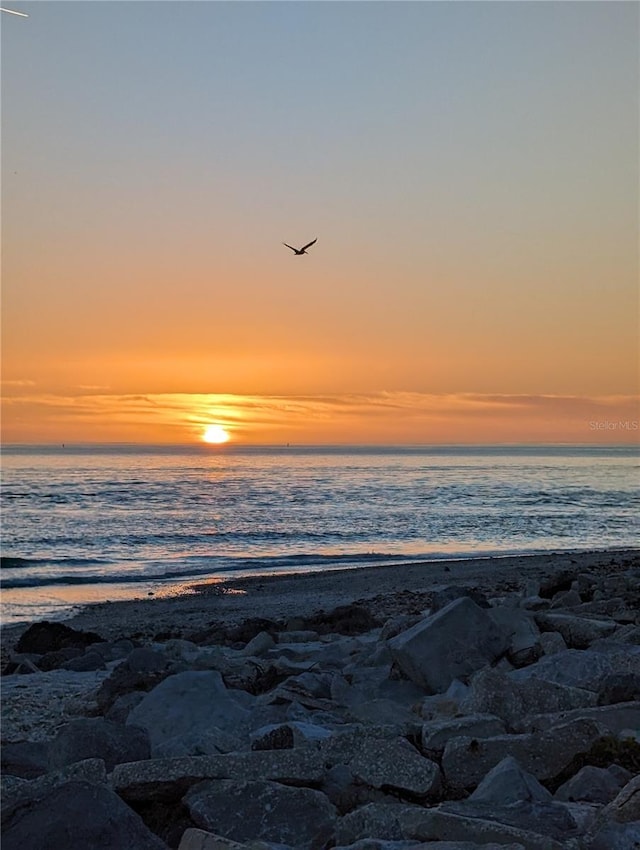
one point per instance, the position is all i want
(13, 12)
(298, 251)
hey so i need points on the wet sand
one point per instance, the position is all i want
(386, 590)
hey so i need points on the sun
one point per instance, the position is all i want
(215, 434)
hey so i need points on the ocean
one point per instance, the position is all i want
(92, 523)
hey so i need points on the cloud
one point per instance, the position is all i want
(378, 417)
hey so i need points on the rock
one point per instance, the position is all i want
(617, 826)
(375, 820)
(353, 619)
(591, 785)
(126, 679)
(90, 770)
(87, 661)
(57, 658)
(26, 759)
(437, 824)
(496, 693)
(259, 645)
(452, 644)
(578, 632)
(582, 668)
(262, 810)
(625, 808)
(441, 598)
(436, 733)
(552, 642)
(544, 754)
(77, 816)
(556, 583)
(189, 702)
(123, 706)
(96, 737)
(45, 636)
(508, 783)
(164, 778)
(522, 634)
(146, 660)
(395, 764)
(199, 839)
(278, 736)
(566, 599)
(612, 720)
(619, 687)
(197, 742)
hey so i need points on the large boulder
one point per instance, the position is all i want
(452, 644)
(266, 811)
(77, 816)
(578, 632)
(45, 636)
(508, 783)
(95, 737)
(544, 754)
(189, 702)
(585, 668)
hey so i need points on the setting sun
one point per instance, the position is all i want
(215, 434)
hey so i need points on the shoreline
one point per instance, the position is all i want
(386, 589)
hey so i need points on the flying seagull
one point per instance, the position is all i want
(13, 12)
(298, 251)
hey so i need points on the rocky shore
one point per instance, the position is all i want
(462, 705)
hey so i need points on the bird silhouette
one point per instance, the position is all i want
(298, 251)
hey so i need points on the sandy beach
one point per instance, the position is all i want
(386, 590)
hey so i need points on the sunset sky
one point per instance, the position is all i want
(470, 171)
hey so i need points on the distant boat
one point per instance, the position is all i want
(303, 250)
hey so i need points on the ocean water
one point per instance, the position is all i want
(93, 523)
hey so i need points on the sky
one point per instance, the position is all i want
(470, 170)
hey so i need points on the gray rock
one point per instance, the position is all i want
(619, 687)
(542, 819)
(26, 759)
(437, 824)
(96, 737)
(375, 820)
(259, 645)
(578, 632)
(188, 703)
(277, 736)
(266, 811)
(200, 839)
(15, 797)
(625, 808)
(146, 660)
(544, 754)
(552, 642)
(566, 599)
(611, 719)
(452, 644)
(90, 660)
(395, 764)
(77, 816)
(508, 783)
(162, 778)
(123, 706)
(436, 733)
(582, 668)
(591, 785)
(195, 742)
(497, 693)
(523, 635)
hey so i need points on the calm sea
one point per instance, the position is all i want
(94, 523)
